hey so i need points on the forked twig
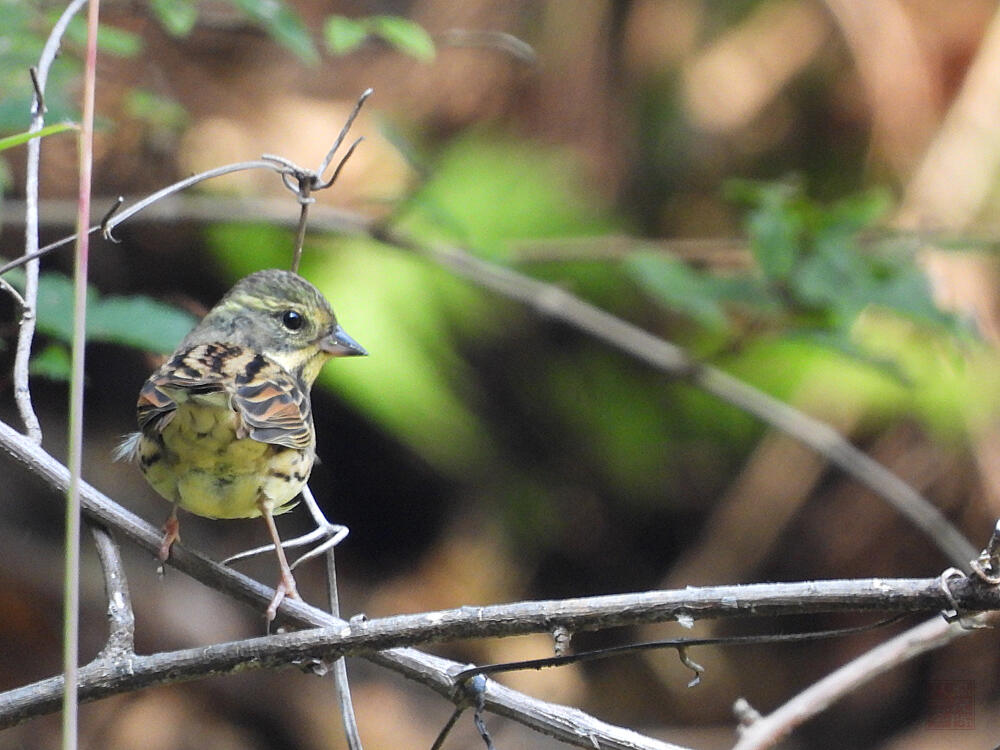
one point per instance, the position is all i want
(304, 182)
(765, 731)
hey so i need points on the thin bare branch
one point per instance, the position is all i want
(448, 726)
(304, 182)
(12, 291)
(381, 638)
(342, 135)
(340, 680)
(565, 723)
(34, 255)
(26, 331)
(717, 252)
(487, 39)
(681, 645)
(109, 225)
(768, 730)
(121, 619)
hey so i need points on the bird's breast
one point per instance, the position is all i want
(202, 460)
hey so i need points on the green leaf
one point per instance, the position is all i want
(857, 212)
(155, 109)
(283, 24)
(16, 140)
(343, 35)
(831, 279)
(53, 362)
(405, 35)
(138, 321)
(680, 288)
(178, 17)
(777, 233)
(907, 292)
(110, 39)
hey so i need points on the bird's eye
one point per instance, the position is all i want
(292, 320)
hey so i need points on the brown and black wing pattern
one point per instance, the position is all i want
(271, 404)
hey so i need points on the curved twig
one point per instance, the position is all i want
(121, 619)
(26, 331)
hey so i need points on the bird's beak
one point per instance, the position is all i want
(340, 344)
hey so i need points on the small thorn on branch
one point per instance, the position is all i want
(561, 637)
(39, 96)
(987, 566)
(105, 230)
(745, 714)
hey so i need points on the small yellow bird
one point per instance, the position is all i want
(225, 425)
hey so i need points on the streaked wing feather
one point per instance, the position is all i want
(275, 408)
(271, 403)
(186, 371)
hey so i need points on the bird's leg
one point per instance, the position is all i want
(286, 586)
(171, 534)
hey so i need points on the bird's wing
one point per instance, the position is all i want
(273, 408)
(195, 371)
(273, 405)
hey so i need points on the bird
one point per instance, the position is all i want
(225, 424)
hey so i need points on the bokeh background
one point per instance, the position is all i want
(659, 158)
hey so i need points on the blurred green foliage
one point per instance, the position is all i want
(813, 275)
(283, 24)
(178, 17)
(136, 321)
(344, 35)
(824, 291)
(24, 28)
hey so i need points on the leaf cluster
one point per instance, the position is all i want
(24, 27)
(815, 269)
